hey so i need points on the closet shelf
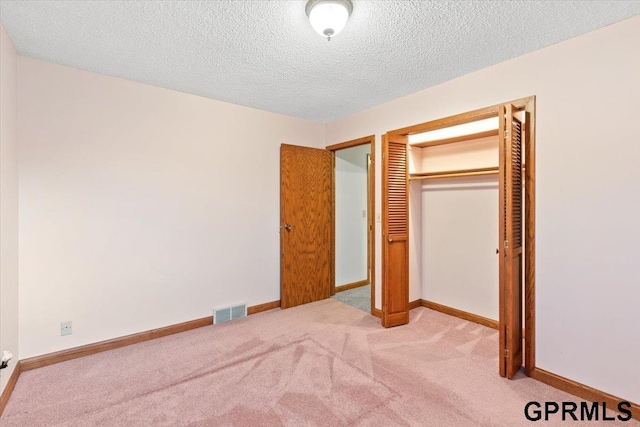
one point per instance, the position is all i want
(463, 138)
(454, 173)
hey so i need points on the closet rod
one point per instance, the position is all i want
(457, 173)
(454, 173)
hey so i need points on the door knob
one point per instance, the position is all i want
(287, 227)
(390, 239)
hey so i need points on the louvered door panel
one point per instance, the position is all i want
(395, 248)
(511, 239)
(515, 135)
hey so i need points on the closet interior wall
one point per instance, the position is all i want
(454, 223)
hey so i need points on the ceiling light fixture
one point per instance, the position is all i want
(328, 17)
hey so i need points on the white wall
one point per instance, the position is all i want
(8, 204)
(351, 224)
(459, 240)
(415, 229)
(588, 192)
(141, 207)
(459, 223)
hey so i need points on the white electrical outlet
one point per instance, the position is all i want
(65, 328)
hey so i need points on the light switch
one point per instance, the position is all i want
(379, 217)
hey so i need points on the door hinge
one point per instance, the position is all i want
(506, 134)
(506, 244)
(506, 353)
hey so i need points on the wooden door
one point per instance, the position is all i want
(511, 240)
(395, 231)
(306, 215)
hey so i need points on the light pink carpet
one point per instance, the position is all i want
(322, 364)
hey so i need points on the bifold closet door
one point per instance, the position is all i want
(306, 228)
(511, 242)
(395, 231)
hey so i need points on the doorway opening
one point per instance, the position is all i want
(353, 229)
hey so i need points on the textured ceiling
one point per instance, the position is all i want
(264, 54)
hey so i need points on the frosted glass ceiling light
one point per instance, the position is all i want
(328, 17)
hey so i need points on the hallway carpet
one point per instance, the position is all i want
(359, 298)
(321, 364)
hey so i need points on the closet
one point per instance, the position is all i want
(453, 217)
(456, 195)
